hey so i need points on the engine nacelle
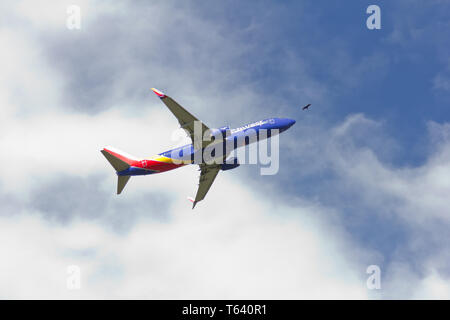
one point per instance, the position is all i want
(220, 133)
(230, 164)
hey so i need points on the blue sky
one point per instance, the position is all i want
(331, 38)
(364, 175)
(364, 71)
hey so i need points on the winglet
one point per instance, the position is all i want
(193, 201)
(158, 93)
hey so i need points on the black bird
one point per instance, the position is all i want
(306, 107)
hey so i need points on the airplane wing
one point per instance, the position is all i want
(186, 120)
(207, 176)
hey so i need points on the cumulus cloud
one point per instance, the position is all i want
(413, 199)
(65, 95)
(224, 250)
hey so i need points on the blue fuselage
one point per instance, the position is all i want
(230, 139)
(238, 137)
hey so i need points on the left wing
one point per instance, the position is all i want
(207, 176)
(187, 121)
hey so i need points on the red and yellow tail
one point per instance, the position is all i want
(120, 161)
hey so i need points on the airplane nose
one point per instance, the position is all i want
(290, 122)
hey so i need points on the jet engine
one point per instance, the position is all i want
(230, 164)
(222, 131)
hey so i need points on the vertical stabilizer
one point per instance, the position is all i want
(120, 161)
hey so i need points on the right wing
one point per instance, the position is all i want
(187, 121)
(207, 176)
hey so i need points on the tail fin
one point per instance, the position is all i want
(120, 162)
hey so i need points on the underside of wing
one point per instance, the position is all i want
(207, 176)
(187, 121)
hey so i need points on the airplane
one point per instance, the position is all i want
(127, 165)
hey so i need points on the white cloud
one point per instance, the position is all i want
(422, 190)
(241, 242)
(433, 286)
(223, 249)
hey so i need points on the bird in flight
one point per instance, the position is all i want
(306, 107)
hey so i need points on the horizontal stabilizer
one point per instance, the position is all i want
(121, 183)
